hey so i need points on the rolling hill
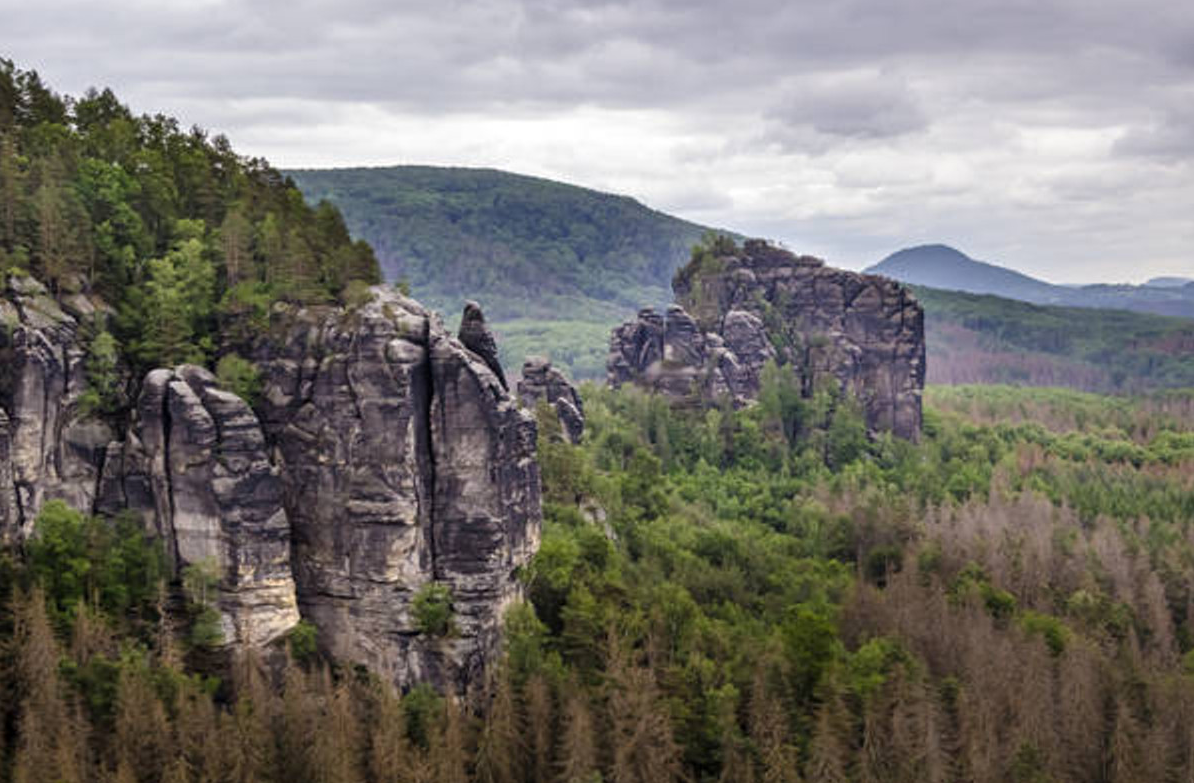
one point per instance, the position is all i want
(525, 247)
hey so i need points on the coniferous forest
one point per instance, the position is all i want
(172, 229)
(763, 594)
(744, 595)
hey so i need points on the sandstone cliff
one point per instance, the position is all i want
(383, 456)
(194, 465)
(541, 382)
(48, 448)
(740, 308)
(404, 462)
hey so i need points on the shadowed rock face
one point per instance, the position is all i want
(194, 465)
(541, 381)
(48, 449)
(864, 333)
(404, 462)
(383, 456)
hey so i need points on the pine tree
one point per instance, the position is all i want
(337, 752)
(236, 245)
(540, 728)
(11, 192)
(448, 754)
(50, 743)
(390, 753)
(578, 748)
(144, 739)
(829, 751)
(770, 734)
(644, 749)
(501, 747)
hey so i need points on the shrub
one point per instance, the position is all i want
(432, 609)
(240, 377)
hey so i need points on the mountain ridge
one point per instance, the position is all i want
(946, 268)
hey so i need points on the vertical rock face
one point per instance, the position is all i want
(384, 456)
(52, 450)
(194, 464)
(863, 333)
(671, 355)
(404, 462)
(541, 381)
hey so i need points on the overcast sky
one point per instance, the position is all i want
(1051, 136)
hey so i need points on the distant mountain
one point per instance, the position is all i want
(943, 267)
(524, 247)
(1170, 282)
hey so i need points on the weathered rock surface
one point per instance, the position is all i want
(475, 335)
(384, 456)
(405, 462)
(863, 333)
(194, 464)
(50, 450)
(541, 381)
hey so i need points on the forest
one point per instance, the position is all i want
(763, 595)
(178, 237)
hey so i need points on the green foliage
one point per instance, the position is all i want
(239, 376)
(112, 565)
(104, 394)
(421, 707)
(200, 583)
(432, 610)
(303, 641)
(162, 223)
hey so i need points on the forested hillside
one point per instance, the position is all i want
(735, 595)
(167, 229)
(989, 339)
(525, 247)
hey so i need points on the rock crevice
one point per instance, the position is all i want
(383, 455)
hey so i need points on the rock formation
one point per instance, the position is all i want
(541, 381)
(384, 456)
(474, 334)
(737, 310)
(405, 462)
(194, 464)
(51, 450)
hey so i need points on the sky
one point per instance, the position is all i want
(1055, 137)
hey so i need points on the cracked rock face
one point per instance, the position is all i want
(404, 462)
(194, 464)
(383, 456)
(862, 333)
(48, 448)
(541, 381)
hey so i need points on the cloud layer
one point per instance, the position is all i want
(1054, 136)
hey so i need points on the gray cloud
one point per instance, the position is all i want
(1020, 129)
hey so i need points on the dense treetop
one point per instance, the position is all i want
(170, 227)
